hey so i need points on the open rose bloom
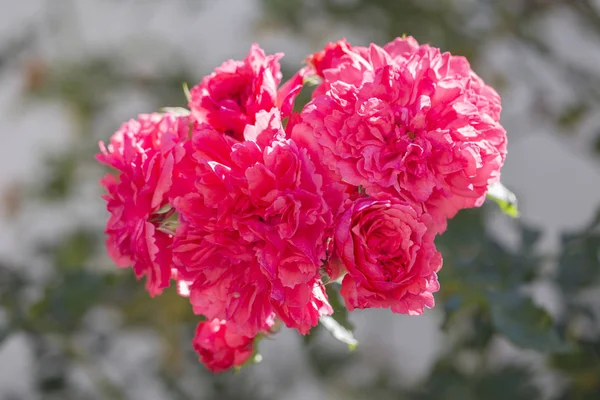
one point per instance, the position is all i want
(252, 209)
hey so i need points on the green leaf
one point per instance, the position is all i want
(452, 306)
(305, 95)
(164, 209)
(312, 80)
(177, 111)
(340, 312)
(327, 362)
(339, 332)
(572, 116)
(504, 198)
(583, 360)
(482, 331)
(509, 382)
(66, 301)
(186, 91)
(579, 262)
(530, 237)
(73, 251)
(445, 381)
(523, 323)
(60, 177)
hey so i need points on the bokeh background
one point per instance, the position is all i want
(518, 313)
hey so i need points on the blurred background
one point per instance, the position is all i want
(72, 326)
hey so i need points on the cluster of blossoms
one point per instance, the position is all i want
(252, 208)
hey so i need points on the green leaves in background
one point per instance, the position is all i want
(66, 301)
(579, 262)
(60, 171)
(446, 381)
(482, 281)
(522, 322)
(582, 366)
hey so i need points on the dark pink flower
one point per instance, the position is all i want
(339, 61)
(231, 97)
(387, 249)
(145, 152)
(220, 348)
(254, 228)
(226, 279)
(406, 120)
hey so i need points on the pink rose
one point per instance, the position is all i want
(231, 97)
(406, 120)
(146, 153)
(339, 61)
(219, 348)
(254, 228)
(389, 255)
(226, 279)
(483, 96)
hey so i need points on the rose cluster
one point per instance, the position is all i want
(252, 208)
